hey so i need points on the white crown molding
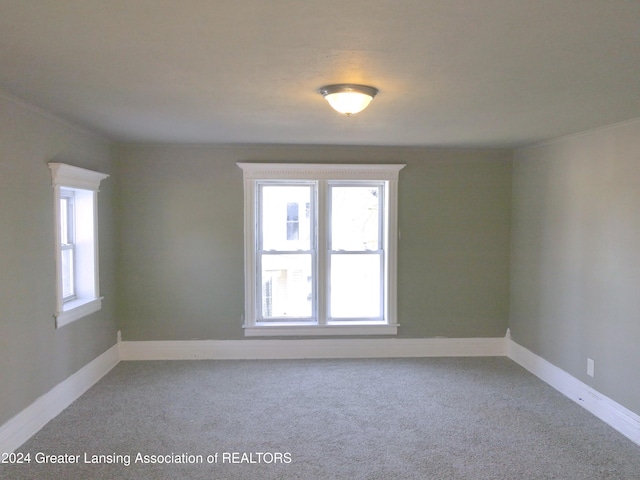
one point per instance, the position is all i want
(29, 421)
(612, 413)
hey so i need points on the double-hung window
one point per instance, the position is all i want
(320, 249)
(76, 241)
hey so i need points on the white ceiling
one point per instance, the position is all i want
(450, 72)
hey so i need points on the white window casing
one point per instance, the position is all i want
(384, 178)
(83, 186)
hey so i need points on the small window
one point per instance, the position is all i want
(77, 280)
(330, 271)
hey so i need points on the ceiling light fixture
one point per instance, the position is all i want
(347, 98)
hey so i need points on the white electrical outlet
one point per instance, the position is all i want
(590, 367)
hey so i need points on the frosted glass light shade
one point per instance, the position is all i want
(348, 99)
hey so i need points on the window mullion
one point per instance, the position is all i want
(383, 247)
(322, 236)
(256, 299)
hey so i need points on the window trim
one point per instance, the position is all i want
(253, 173)
(69, 177)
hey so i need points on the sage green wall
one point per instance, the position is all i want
(34, 356)
(181, 244)
(575, 279)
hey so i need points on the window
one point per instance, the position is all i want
(327, 266)
(77, 281)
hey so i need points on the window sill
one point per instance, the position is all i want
(288, 330)
(77, 309)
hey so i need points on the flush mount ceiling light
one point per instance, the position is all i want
(347, 98)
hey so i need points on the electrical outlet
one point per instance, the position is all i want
(590, 367)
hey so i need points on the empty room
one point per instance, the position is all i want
(339, 240)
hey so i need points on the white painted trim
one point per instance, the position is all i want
(71, 176)
(80, 308)
(319, 330)
(311, 348)
(320, 171)
(20, 428)
(25, 424)
(612, 413)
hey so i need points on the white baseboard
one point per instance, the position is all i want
(620, 418)
(25, 424)
(21, 427)
(308, 348)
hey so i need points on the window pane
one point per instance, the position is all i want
(285, 217)
(354, 218)
(293, 222)
(64, 220)
(355, 286)
(286, 286)
(67, 273)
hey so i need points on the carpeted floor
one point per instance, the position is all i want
(427, 419)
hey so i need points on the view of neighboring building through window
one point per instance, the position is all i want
(356, 251)
(285, 251)
(322, 250)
